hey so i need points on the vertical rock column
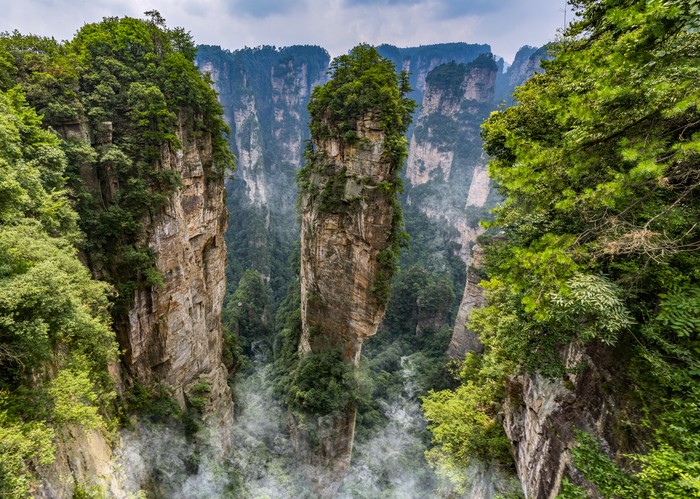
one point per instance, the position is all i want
(350, 233)
(174, 333)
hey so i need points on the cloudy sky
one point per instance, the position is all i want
(337, 25)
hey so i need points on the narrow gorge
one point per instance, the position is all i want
(399, 272)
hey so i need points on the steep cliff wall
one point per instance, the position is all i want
(143, 157)
(446, 170)
(174, 333)
(264, 93)
(419, 61)
(464, 339)
(351, 233)
(525, 65)
(340, 265)
(542, 417)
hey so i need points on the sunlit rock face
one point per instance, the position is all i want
(340, 269)
(174, 332)
(340, 248)
(446, 170)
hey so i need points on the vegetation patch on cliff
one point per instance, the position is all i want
(55, 337)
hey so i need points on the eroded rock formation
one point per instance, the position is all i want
(541, 417)
(174, 331)
(264, 93)
(340, 266)
(351, 232)
(341, 301)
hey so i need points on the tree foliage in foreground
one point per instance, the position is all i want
(127, 96)
(598, 237)
(55, 339)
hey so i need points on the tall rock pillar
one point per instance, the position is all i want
(351, 231)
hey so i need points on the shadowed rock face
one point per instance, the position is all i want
(541, 417)
(463, 339)
(174, 331)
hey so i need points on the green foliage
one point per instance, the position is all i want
(245, 318)
(362, 83)
(198, 395)
(155, 402)
(75, 399)
(21, 444)
(450, 78)
(323, 383)
(610, 480)
(140, 77)
(598, 241)
(55, 337)
(265, 236)
(464, 423)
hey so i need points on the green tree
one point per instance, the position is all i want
(599, 166)
(54, 318)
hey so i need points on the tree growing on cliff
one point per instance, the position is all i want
(599, 164)
(363, 84)
(55, 340)
(132, 82)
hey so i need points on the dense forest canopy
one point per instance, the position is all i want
(117, 93)
(597, 242)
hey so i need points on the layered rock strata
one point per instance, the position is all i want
(542, 416)
(174, 332)
(351, 233)
(340, 268)
(340, 248)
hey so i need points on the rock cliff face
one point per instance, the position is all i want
(340, 248)
(525, 65)
(351, 233)
(542, 415)
(85, 457)
(464, 339)
(340, 268)
(174, 332)
(419, 61)
(446, 171)
(264, 93)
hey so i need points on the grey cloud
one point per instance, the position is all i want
(378, 3)
(440, 8)
(264, 8)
